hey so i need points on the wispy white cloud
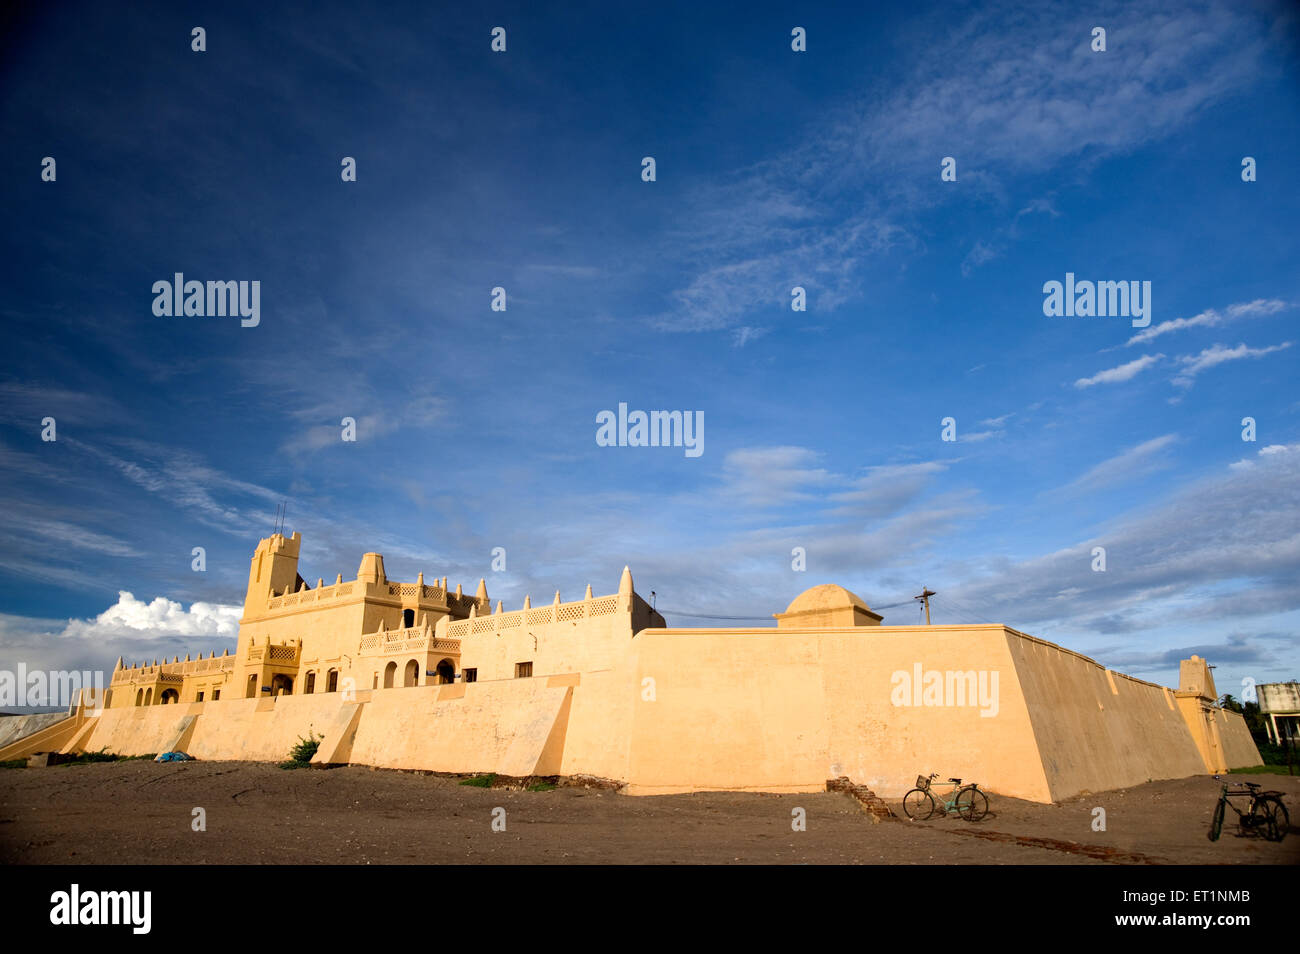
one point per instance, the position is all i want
(1121, 373)
(1218, 354)
(1027, 88)
(1211, 318)
(1138, 461)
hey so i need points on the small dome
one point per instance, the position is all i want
(828, 605)
(825, 597)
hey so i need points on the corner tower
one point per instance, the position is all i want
(274, 569)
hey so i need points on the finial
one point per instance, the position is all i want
(625, 583)
(588, 596)
(320, 581)
(338, 579)
(499, 606)
(557, 597)
(459, 594)
(473, 610)
(481, 593)
(528, 603)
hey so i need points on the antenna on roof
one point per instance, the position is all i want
(280, 510)
(926, 593)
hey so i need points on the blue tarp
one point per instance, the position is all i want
(174, 757)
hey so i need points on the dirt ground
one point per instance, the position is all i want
(141, 813)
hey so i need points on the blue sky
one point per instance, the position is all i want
(522, 169)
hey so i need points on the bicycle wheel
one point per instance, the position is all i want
(918, 805)
(1216, 825)
(972, 804)
(1277, 821)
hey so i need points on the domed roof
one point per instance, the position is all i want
(825, 597)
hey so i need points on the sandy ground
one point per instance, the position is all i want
(141, 813)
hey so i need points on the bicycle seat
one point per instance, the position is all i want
(1252, 786)
(957, 780)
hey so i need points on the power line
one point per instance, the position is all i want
(755, 619)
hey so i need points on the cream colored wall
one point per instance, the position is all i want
(786, 711)
(1239, 748)
(585, 644)
(998, 751)
(1093, 737)
(498, 727)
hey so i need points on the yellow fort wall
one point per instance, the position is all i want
(1097, 729)
(785, 711)
(598, 687)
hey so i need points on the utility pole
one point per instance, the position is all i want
(926, 593)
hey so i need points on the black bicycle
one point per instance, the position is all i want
(1265, 815)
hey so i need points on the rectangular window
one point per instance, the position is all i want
(200, 699)
(216, 694)
(523, 670)
(471, 675)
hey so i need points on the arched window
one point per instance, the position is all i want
(311, 683)
(408, 617)
(169, 697)
(332, 681)
(139, 697)
(446, 672)
(252, 687)
(148, 697)
(412, 677)
(390, 671)
(281, 685)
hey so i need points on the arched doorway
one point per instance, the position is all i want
(412, 675)
(446, 672)
(281, 685)
(311, 683)
(169, 697)
(139, 697)
(332, 681)
(408, 618)
(390, 671)
(148, 697)
(252, 687)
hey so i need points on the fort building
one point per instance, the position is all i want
(416, 676)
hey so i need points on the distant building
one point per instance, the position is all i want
(1279, 703)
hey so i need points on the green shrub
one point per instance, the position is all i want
(300, 755)
(480, 781)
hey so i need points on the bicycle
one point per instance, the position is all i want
(967, 800)
(1266, 815)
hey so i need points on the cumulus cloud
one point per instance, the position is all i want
(131, 628)
(159, 617)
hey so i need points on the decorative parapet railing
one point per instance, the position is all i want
(319, 595)
(410, 639)
(555, 613)
(324, 594)
(178, 669)
(273, 654)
